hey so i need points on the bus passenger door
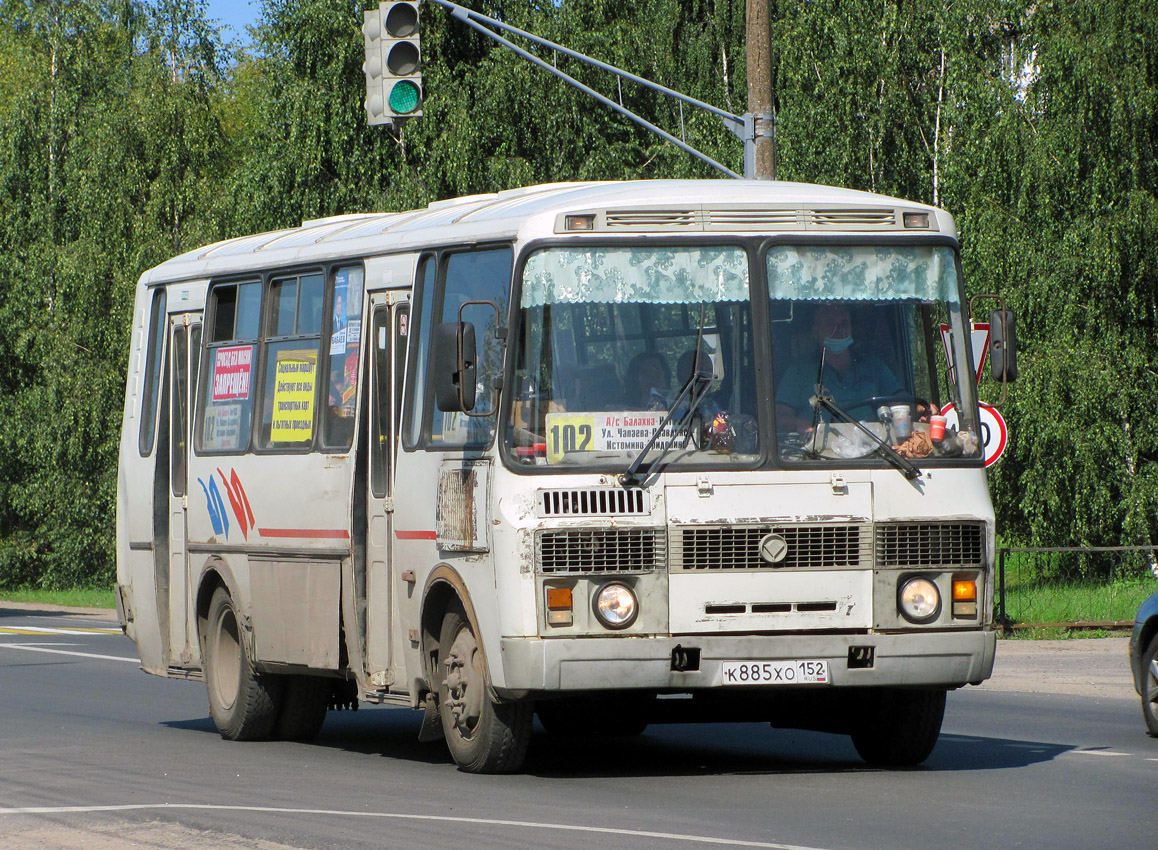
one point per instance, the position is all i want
(387, 358)
(185, 347)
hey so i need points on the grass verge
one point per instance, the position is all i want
(1076, 602)
(93, 598)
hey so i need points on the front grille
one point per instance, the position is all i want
(696, 548)
(592, 501)
(617, 550)
(930, 544)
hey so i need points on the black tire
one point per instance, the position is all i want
(303, 708)
(483, 736)
(585, 717)
(243, 704)
(896, 727)
(1150, 688)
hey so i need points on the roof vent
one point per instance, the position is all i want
(652, 219)
(738, 219)
(858, 219)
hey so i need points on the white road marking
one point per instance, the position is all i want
(633, 833)
(31, 648)
(1097, 753)
(48, 630)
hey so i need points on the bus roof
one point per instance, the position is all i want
(616, 208)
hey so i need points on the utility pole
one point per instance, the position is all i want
(759, 52)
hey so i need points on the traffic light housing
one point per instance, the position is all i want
(393, 66)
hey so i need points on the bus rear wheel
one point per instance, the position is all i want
(484, 736)
(244, 705)
(303, 708)
(896, 727)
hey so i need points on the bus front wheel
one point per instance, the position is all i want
(244, 705)
(895, 727)
(484, 736)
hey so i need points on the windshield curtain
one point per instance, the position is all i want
(879, 332)
(607, 338)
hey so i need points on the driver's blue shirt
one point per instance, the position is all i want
(868, 377)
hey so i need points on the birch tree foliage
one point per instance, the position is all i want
(1084, 465)
(106, 167)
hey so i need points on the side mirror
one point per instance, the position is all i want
(1002, 346)
(455, 365)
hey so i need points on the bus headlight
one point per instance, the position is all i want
(616, 606)
(919, 600)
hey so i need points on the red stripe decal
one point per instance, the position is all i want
(327, 533)
(415, 535)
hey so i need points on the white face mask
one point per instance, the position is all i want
(837, 346)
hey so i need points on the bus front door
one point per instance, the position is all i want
(383, 582)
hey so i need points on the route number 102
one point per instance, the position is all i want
(567, 437)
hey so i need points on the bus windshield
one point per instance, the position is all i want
(869, 348)
(611, 340)
(868, 357)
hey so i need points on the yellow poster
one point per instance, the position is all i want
(295, 379)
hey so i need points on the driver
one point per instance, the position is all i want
(851, 377)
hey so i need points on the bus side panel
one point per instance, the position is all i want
(283, 524)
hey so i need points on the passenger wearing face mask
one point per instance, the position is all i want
(851, 377)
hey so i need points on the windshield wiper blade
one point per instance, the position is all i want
(698, 389)
(905, 466)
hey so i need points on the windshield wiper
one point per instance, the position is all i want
(903, 464)
(695, 388)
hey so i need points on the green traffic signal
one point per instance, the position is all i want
(404, 97)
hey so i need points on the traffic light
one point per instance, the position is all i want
(393, 64)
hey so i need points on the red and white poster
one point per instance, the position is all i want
(232, 369)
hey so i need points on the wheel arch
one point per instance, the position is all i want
(444, 586)
(1148, 632)
(216, 573)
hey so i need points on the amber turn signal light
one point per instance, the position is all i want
(964, 590)
(558, 598)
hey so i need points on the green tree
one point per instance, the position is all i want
(106, 168)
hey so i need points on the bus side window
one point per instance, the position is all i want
(419, 333)
(344, 353)
(292, 352)
(156, 347)
(225, 397)
(474, 276)
(381, 411)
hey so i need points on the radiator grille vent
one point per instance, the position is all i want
(617, 550)
(593, 502)
(930, 544)
(696, 548)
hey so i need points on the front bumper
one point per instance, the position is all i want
(925, 659)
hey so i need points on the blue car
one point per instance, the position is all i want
(1144, 661)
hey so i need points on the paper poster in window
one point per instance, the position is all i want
(222, 430)
(232, 368)
(295, 378)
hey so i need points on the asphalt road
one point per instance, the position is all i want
(95, 754)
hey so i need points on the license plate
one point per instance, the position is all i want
(793, 672)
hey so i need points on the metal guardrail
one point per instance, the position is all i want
(1075, 587)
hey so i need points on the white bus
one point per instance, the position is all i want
(608, 453)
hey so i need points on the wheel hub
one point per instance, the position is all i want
(464, 683)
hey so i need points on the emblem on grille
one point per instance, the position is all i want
(773, 548)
